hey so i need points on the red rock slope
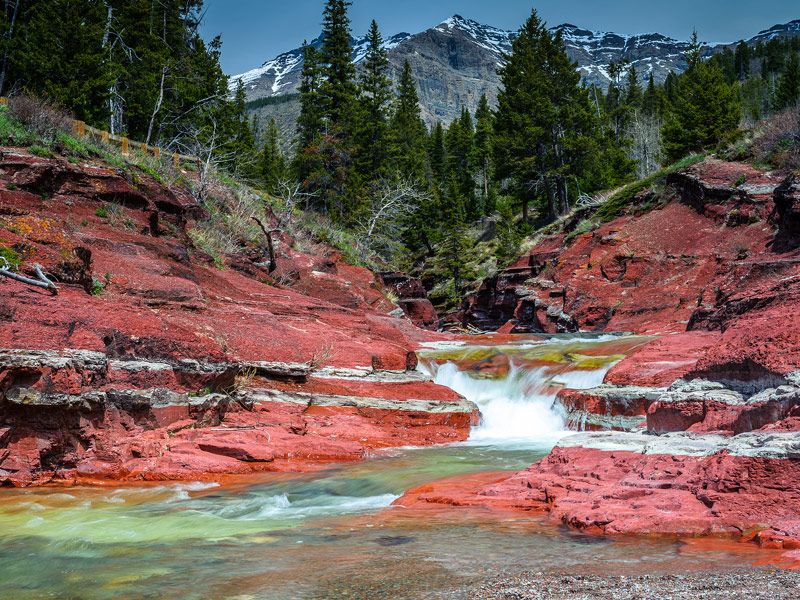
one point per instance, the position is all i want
(181, 369)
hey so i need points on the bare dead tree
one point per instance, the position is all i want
(390, 203)
(268, 234)
(645, 134)
(291, 194)
(157, 107)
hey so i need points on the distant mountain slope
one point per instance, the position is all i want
(456, 61)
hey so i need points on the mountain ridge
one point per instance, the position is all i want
(456, 61)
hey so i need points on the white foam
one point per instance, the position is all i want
(518, 408)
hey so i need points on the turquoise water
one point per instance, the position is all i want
(328, 534)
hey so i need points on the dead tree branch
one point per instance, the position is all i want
(42, 282)
(267, 234)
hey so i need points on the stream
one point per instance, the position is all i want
(332, 533)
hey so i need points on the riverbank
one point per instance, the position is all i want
(755, 584)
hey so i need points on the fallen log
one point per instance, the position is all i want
(42, 282)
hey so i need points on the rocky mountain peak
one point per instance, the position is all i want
(456, 61)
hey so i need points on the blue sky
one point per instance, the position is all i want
(254, 31)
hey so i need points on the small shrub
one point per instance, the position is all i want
(84, 223)
(584, 226)
(97, 286)
(101, 211)
(71, 146)
(779, 144)
(739, 181)
(37, 150)
(46, 119)
(9, 258)
(116, 215)
(11, 186)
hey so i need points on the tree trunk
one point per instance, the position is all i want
(485, 177)
(561, 188)
(270, 248)
(9, 35)
(157, 107)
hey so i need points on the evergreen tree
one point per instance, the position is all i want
(671, 88)
(788, 92)
(633, 95)
(273, 164)
(705, 109)
(58, 53)
(652, 101)
(483, 147)
(742, 61)
(508, 236)
(374, 101)
(408, 132)
(338, 87)
(460, 154)
(309, 123)
(546, 130)
(437, 155)
(240, 142)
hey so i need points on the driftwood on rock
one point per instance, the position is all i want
(42, 282)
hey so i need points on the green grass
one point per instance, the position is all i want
(11, 257)
(616, 204)
(101, 211)
(70, 146)
(584, 226)
(13, 133)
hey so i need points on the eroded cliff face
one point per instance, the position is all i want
(698, 432)
(718, 257)
(180, 368)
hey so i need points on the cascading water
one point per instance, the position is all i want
(517, 406)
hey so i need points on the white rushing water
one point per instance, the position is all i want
(519, 407)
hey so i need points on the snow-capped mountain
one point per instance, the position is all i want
(456, 61)
(790, 29)
(281, 75)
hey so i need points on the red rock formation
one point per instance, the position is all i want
(718, 268)
(630, 483)
(180, 369)
(413, 299)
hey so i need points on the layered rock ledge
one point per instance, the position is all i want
(78, 416)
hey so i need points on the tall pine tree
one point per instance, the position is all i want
(788, 92)
(704, 110)
(408, 132)
(310, 121)
(375, 95)
(546, 130)
(483, 148)
(338, 88)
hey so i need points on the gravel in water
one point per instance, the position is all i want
(753, 584)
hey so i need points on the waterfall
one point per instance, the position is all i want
(520, 406)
